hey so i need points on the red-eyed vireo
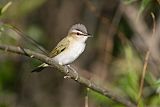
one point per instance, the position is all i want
(69, 48)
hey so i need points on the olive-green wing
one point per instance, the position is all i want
(61, 46)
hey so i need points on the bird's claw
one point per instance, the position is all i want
(76, 78)
(65, 77)
(67, 71)
(66, 68)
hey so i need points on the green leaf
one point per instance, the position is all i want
(143, 6)
(157, 83)
(5, 7)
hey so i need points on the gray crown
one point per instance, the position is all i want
(79, 27)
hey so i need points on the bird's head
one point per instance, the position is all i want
(79, 32)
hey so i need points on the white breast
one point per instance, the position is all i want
(70, 54)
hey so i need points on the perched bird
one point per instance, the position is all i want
(69, 48)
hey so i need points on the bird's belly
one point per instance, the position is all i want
(70, 54)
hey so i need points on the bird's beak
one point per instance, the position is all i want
(88, 35)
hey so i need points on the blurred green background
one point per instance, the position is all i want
(113, 58)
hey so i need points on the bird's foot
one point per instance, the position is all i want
(74, 72)
(66, 68)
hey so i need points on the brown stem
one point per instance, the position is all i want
(81, 80)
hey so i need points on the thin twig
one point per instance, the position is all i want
(81, 80)
(145, 65)
(142, 77)
(104, 19)
(26, 37)
(111, 33)
(86, 98)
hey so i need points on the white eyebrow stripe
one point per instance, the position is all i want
(76, 31)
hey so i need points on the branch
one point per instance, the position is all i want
(142, 31)
(81, 80)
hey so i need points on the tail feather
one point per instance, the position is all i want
(40, 67)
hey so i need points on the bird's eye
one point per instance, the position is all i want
(78, 33)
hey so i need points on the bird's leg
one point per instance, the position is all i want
(66, 68)
(73, 71)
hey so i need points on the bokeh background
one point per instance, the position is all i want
(123, 32)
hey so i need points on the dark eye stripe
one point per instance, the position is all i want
(80, 31)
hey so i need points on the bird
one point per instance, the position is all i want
(69, 48)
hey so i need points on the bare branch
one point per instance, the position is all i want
(81, 80)
(146, 63)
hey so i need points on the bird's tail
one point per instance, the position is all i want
(40, 67)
